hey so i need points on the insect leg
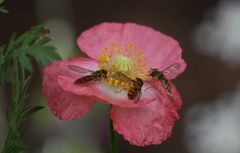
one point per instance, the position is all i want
(119, 91)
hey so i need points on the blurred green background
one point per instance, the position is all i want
(206, 78)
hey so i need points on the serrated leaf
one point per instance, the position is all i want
(44, 40)
(53, 54)
(20, 48)
(28, 37)
(43, 55)
(32, 35)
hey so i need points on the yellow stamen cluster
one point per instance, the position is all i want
(118, 82)
(123, 64)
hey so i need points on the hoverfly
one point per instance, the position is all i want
(43, 33)
(134, 92)
(94, 76)
(135, 86)
(161, 76)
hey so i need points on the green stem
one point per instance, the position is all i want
(112, 137)
(13, 137)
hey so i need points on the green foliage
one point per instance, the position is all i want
(29, 46)
(2, 9)
(18, 111)
(27, 112)
(15, 145)
(16, 59)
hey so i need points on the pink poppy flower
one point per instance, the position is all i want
(132, 50)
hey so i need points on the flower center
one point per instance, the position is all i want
(123, 64)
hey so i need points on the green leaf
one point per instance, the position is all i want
(11, 44)
(15, 145)
(31, 44)
(15, 59)
(3, 10)
(32, 35)
(44, 40)
(26, 83)
(5, 76)
(32, 110)
(27, 112)
(25, 62)
(43, 55)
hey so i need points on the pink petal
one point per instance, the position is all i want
(105, 93)
(93, 40)
(149, 124)
(59, 75)
(160, 50)
(65, 105)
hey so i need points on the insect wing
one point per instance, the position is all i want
(137, 98)
(79, 69)
(170, 71)
(123, 77)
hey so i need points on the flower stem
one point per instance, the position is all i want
(112, 138)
